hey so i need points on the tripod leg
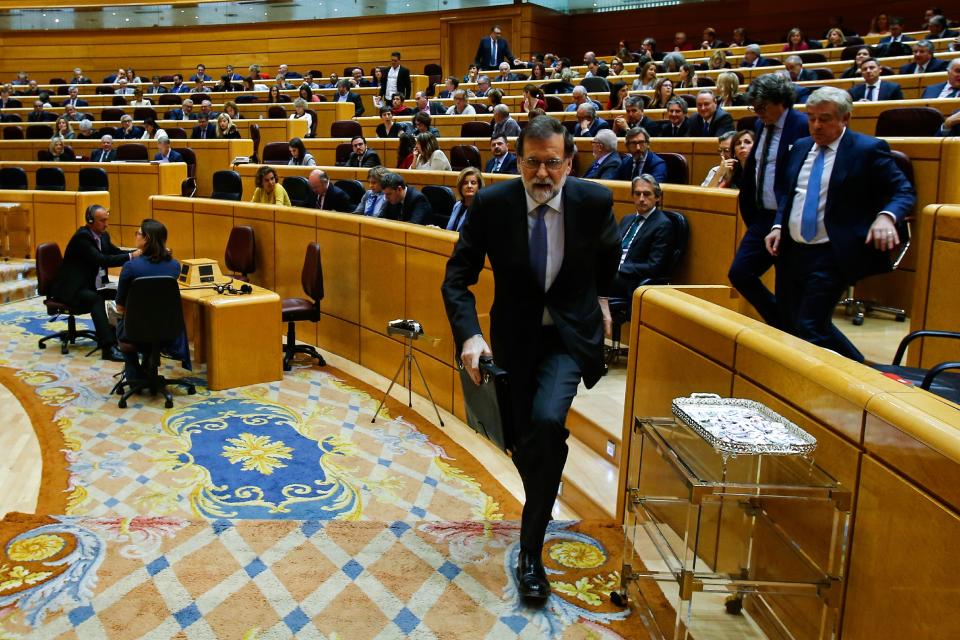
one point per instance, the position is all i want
(384, 398)
(425, 386)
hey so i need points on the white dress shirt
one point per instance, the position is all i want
(553, 218)
(800, 196)
(769, 196)
(392, 75)
(876, 92)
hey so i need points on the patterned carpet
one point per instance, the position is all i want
(270, 511)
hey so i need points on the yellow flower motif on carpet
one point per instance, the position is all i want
(36, 548)
(257, 453)
(577, 555)
(582, 590)
(20, 576)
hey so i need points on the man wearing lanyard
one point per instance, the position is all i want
(84, 271)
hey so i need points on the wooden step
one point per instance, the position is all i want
(596, 417)
(589, 482)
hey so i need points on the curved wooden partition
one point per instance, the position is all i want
(897, 448)
(935, 302)
(56, 215)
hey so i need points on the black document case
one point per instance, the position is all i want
(489, 411)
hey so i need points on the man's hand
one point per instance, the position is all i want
(883, 233)
(473, 348)
(772, 242)
(620, 124)
(951, 120)
(136, 253)
(607, 318)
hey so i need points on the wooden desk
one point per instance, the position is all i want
(238, 336)
(16, 238)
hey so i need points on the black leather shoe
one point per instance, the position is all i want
(532, 580)
(111, 353)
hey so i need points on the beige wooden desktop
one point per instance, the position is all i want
(238, 336)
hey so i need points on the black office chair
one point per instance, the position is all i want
(276, 112)
(132, 151)
(909, 121)
(476, 129)
(240, 256)
(255, 136)
(152, 320)
(227, 185)
(13, 133)
(176, 133)
(620, 307)
(93, 179)
(342, 153)
(14, 178)
(298, 189)
(678, 172)
(170, 98)
(595, 84)
(936, 379)
(441, 202)
(39, 132)
(51, 179)
(109, 114)
(353, 188)
(49, 262)
(463, 156)
(345, 129)
(297, 309)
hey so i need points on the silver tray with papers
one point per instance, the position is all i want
(737, 426)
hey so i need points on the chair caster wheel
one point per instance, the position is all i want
(733, 605)
(858, 321)
(122, 404)
(191, 390)
(42, 345)
(901, 317)
(63, 348)
(619, 598)
(168, 404)
(286, 366)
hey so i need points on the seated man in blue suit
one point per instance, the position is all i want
(502, 161)
(874, 89)
(836, 220)
(710, 120)
(641, 160)
(165, 153)
(606, 164)
(587, 121)
(647, 239)
(923, 60)
(950, 88)
(896, 32)
(752, 58)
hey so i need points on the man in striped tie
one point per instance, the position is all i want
(836, 222)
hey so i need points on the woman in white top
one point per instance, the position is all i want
(427, 154)
(138, 99)
(301, 113)
(460, 105)
(299, 155)
(151, 131)
(648, 77)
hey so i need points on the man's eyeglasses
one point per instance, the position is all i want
(553, 164)
(637, 142)
(645, 194)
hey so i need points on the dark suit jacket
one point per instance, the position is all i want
(888, 91)
(761, 62)
(79, 103)
(509, 164)
(496, 229)
(369, 159)
(82, 260)
(607, 170)
(865, 181)
(935, 64)
(664, 129)
(645, 122)
(173, 157)
(806, 75)
(596, 125)
(336, 199)
(403, 82)
(721, 123)
(133, 133)
(482, 59)
(903, 38)
(649, 253)
(11, 103)
(415, 208)
(211, 131)
(177, 114)
(933, 91)
(97, 156)
(652, 164)
(355, 99)
(794, 127)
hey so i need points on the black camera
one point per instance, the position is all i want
(407, 328)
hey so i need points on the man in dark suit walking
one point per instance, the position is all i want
(395, 79)
(404, 203)
(710, 120)
(836, 221)
(493, 50)
(361, 156)
(778, 127)
(85, 262)
(552, 244)
(647, 239)
(502, 161)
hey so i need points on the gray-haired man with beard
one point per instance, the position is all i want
(552, 243)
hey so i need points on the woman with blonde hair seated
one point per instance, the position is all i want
(469, 182)
(269, 190)
(427, 154)
(718, 60)
(64, 129)
(835, 38)
(226, 128)
(728, 90)
(59, 152)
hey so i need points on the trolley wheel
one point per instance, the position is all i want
(63, 348)
(42, 345)
(168, 404)
(901, 317)
(857, 321)
(122, 404)
(733, 605)
(619, 598)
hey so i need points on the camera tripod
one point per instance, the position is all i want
(407, 363)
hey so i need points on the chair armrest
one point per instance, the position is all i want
(922, 333)
(935, 371)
